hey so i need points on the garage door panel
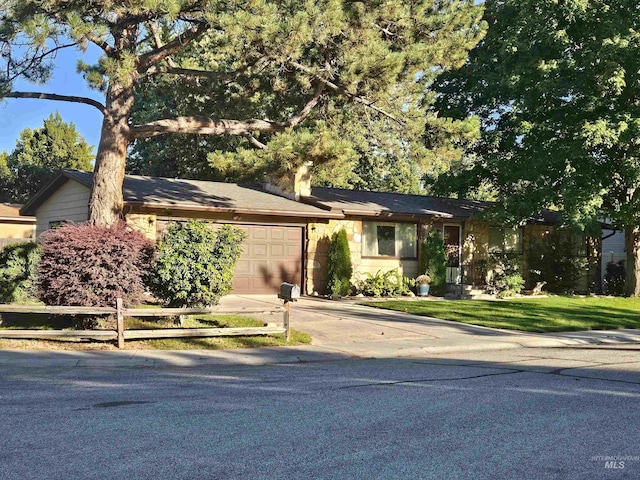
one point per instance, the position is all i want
(258, 233)
(243, 267)
(259, 269)
(292, 250)
(295, 234)
(276, 234)
(276, 250)
(259, 250)
(271, 255)
(241, 284)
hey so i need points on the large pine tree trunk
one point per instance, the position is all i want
(105, 207)
(632, 246)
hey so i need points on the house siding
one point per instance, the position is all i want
(9, 229)
(613, 249)
(70, 202)
(146, 224)
(406, 267)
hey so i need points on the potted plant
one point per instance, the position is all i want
(422, 285)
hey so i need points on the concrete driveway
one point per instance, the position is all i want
(347, 328)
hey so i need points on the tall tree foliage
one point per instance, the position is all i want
(557, 88)
(266, 66)
(39, 155)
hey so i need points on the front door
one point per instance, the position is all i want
(453, 251)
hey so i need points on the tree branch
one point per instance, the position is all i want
(158, 41)
(156, 70)
(341, 91)
(255, 142)
(161, 53)
(306, 110)
(106, 48)
(35, 59)
(221, 127)
(61, 98)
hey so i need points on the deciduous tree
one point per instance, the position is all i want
(39, 154)
(557, 88)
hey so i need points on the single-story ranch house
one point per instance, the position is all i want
(15, 227)
(288, 226)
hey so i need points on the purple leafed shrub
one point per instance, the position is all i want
(86, 265)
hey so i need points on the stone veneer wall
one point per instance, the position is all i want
(318, 235)
(475, 241)
(475, 246)
(143, 223)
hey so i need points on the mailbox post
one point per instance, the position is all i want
(288, 293)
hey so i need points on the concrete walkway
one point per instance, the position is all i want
(340, 330)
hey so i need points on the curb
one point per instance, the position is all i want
(278, 355)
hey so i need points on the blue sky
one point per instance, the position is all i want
(18, 114)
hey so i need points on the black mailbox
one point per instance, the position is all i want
(289, 292)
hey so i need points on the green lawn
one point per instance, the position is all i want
(197, 321)
(210, 343)
(552, 314)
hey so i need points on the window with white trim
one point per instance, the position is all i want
(386, 239)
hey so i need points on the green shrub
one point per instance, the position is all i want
(506, 276)
(615, 278)
(18, 272)
(339, 268)
(194, 264)
(433, 261)
(555, 260)
(385, 284)
(88, 265)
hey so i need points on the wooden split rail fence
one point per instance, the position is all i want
(120, 334)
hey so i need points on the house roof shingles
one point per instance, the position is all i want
(357, 202)
(12, 211)
(158, 192)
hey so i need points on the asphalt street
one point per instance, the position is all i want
(516, 414)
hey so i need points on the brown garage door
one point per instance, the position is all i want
(271, 255)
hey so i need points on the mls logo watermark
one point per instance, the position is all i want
(615, 462)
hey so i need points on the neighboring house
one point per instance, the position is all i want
(14, 227)
(289, 225)
(613, 249)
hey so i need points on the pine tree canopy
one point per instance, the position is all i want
(206, 88)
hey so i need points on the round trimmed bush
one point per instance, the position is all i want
(194, 264)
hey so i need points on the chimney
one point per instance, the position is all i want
(294, 184)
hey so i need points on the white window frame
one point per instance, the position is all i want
(398, 240)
